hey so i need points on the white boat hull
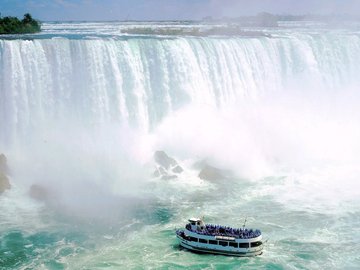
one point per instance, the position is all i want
(216, 249)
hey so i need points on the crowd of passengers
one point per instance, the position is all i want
(213, 230)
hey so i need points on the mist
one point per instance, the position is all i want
(86, 138)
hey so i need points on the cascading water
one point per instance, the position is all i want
(86, 113)
(141, 80)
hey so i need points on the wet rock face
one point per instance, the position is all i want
(4, 180)
(3, 163)
(164, 160)
(211, 173)
(177, 169)
(167, 167)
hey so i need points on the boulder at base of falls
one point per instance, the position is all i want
(3, 164)
(164, 160)
(177, 169)
(211, 173)
(4, 180)
(167, 167)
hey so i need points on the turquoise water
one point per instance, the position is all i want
(300, 236)
(83, 108)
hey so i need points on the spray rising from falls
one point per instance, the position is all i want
(248, 103)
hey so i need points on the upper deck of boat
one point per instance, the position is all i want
(218, 230)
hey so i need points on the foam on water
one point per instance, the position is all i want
(83, 107)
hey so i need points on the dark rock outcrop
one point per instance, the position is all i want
(167, 167)
(164, 160)
(177, 169)
(211, 173)
(3, 164)
(4, 180)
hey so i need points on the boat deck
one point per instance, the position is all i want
(218, 230)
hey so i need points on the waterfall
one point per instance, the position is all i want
(138, 81)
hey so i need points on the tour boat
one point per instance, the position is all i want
(216, 239)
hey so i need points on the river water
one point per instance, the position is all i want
(83, 107)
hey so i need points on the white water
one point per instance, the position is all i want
(68, 91)
(83, 116)
(141, 80)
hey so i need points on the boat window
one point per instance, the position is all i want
(233, 244)
(202, 240)
(223, 243)
(243, 245)
(256, 244)
(213, 242)
(193, 239)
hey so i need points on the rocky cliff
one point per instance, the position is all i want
(4, 180)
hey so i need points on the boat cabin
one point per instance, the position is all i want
(196, 224)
